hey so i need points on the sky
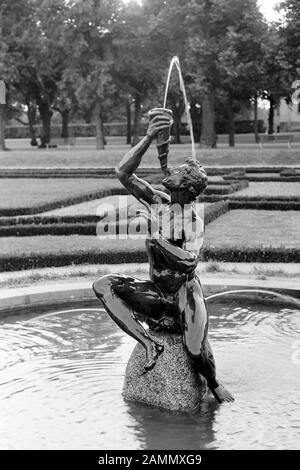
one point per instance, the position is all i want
(267, 8)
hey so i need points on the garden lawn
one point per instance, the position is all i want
(253, 228)
(93, 207)
(178, 153)
(270, 189)
(23, 192)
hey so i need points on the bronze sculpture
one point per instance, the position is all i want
(172, 298)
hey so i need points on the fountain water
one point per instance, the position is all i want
(175, 61)
(284, 298)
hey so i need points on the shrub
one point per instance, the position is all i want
(215, 210)
(245, 254)
(47, 220)
(34, 261)
(271, 205)
(230, 254)
(286, 199)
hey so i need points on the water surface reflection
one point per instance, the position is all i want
(61, 381)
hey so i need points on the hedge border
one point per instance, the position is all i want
(285, 199)
(34, 261)
(263, 179)
(109, 172)
(244, 254)
(214, 211)
(47, 220)
(264, 205)
(260, 254)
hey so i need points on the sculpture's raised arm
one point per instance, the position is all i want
(182, 259)
(142, 190)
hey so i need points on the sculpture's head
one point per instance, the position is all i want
(188, 180)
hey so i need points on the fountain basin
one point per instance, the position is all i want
(62, 376)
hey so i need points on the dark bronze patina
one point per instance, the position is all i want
(172, 299)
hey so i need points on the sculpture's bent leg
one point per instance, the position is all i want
(127, 300)
(192, 307)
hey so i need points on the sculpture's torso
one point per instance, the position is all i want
(162, 272)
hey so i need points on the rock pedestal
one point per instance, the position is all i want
(172, 384)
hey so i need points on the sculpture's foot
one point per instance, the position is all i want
(221, 394)
(152, 356)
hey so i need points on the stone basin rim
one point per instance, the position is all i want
(57, 293)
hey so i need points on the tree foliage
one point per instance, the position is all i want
(93, 58)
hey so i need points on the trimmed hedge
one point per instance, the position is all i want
(285, 199)
(34, 261)
(281, 170)
(86, 229)
(273, 205)
(72, 172)
(214, 211)
(230, 254)
(228, 173)
(47, 220)
(262, 178)
(232, 187)
(53, 229)
(251, 255)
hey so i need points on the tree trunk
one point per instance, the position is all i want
(271, 116)
(128, 114)
(99, 127)
(178, 108)
(88, 116)
(176, 128)
(231, 125)
(46, 115)
(196, 121)
(2, 127)
(31, 113)
(208, 133)
(256, 133)
(137, 120)
(65, 124)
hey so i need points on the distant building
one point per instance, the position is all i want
(288, 117)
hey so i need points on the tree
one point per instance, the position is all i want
(35, 55)
(2, 127)
(290, 35)
(140, 56)
(14, 16)
(283, 57)
(224, 56)
(276, 80)
(88, 39)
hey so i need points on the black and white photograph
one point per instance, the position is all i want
(150, 229)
